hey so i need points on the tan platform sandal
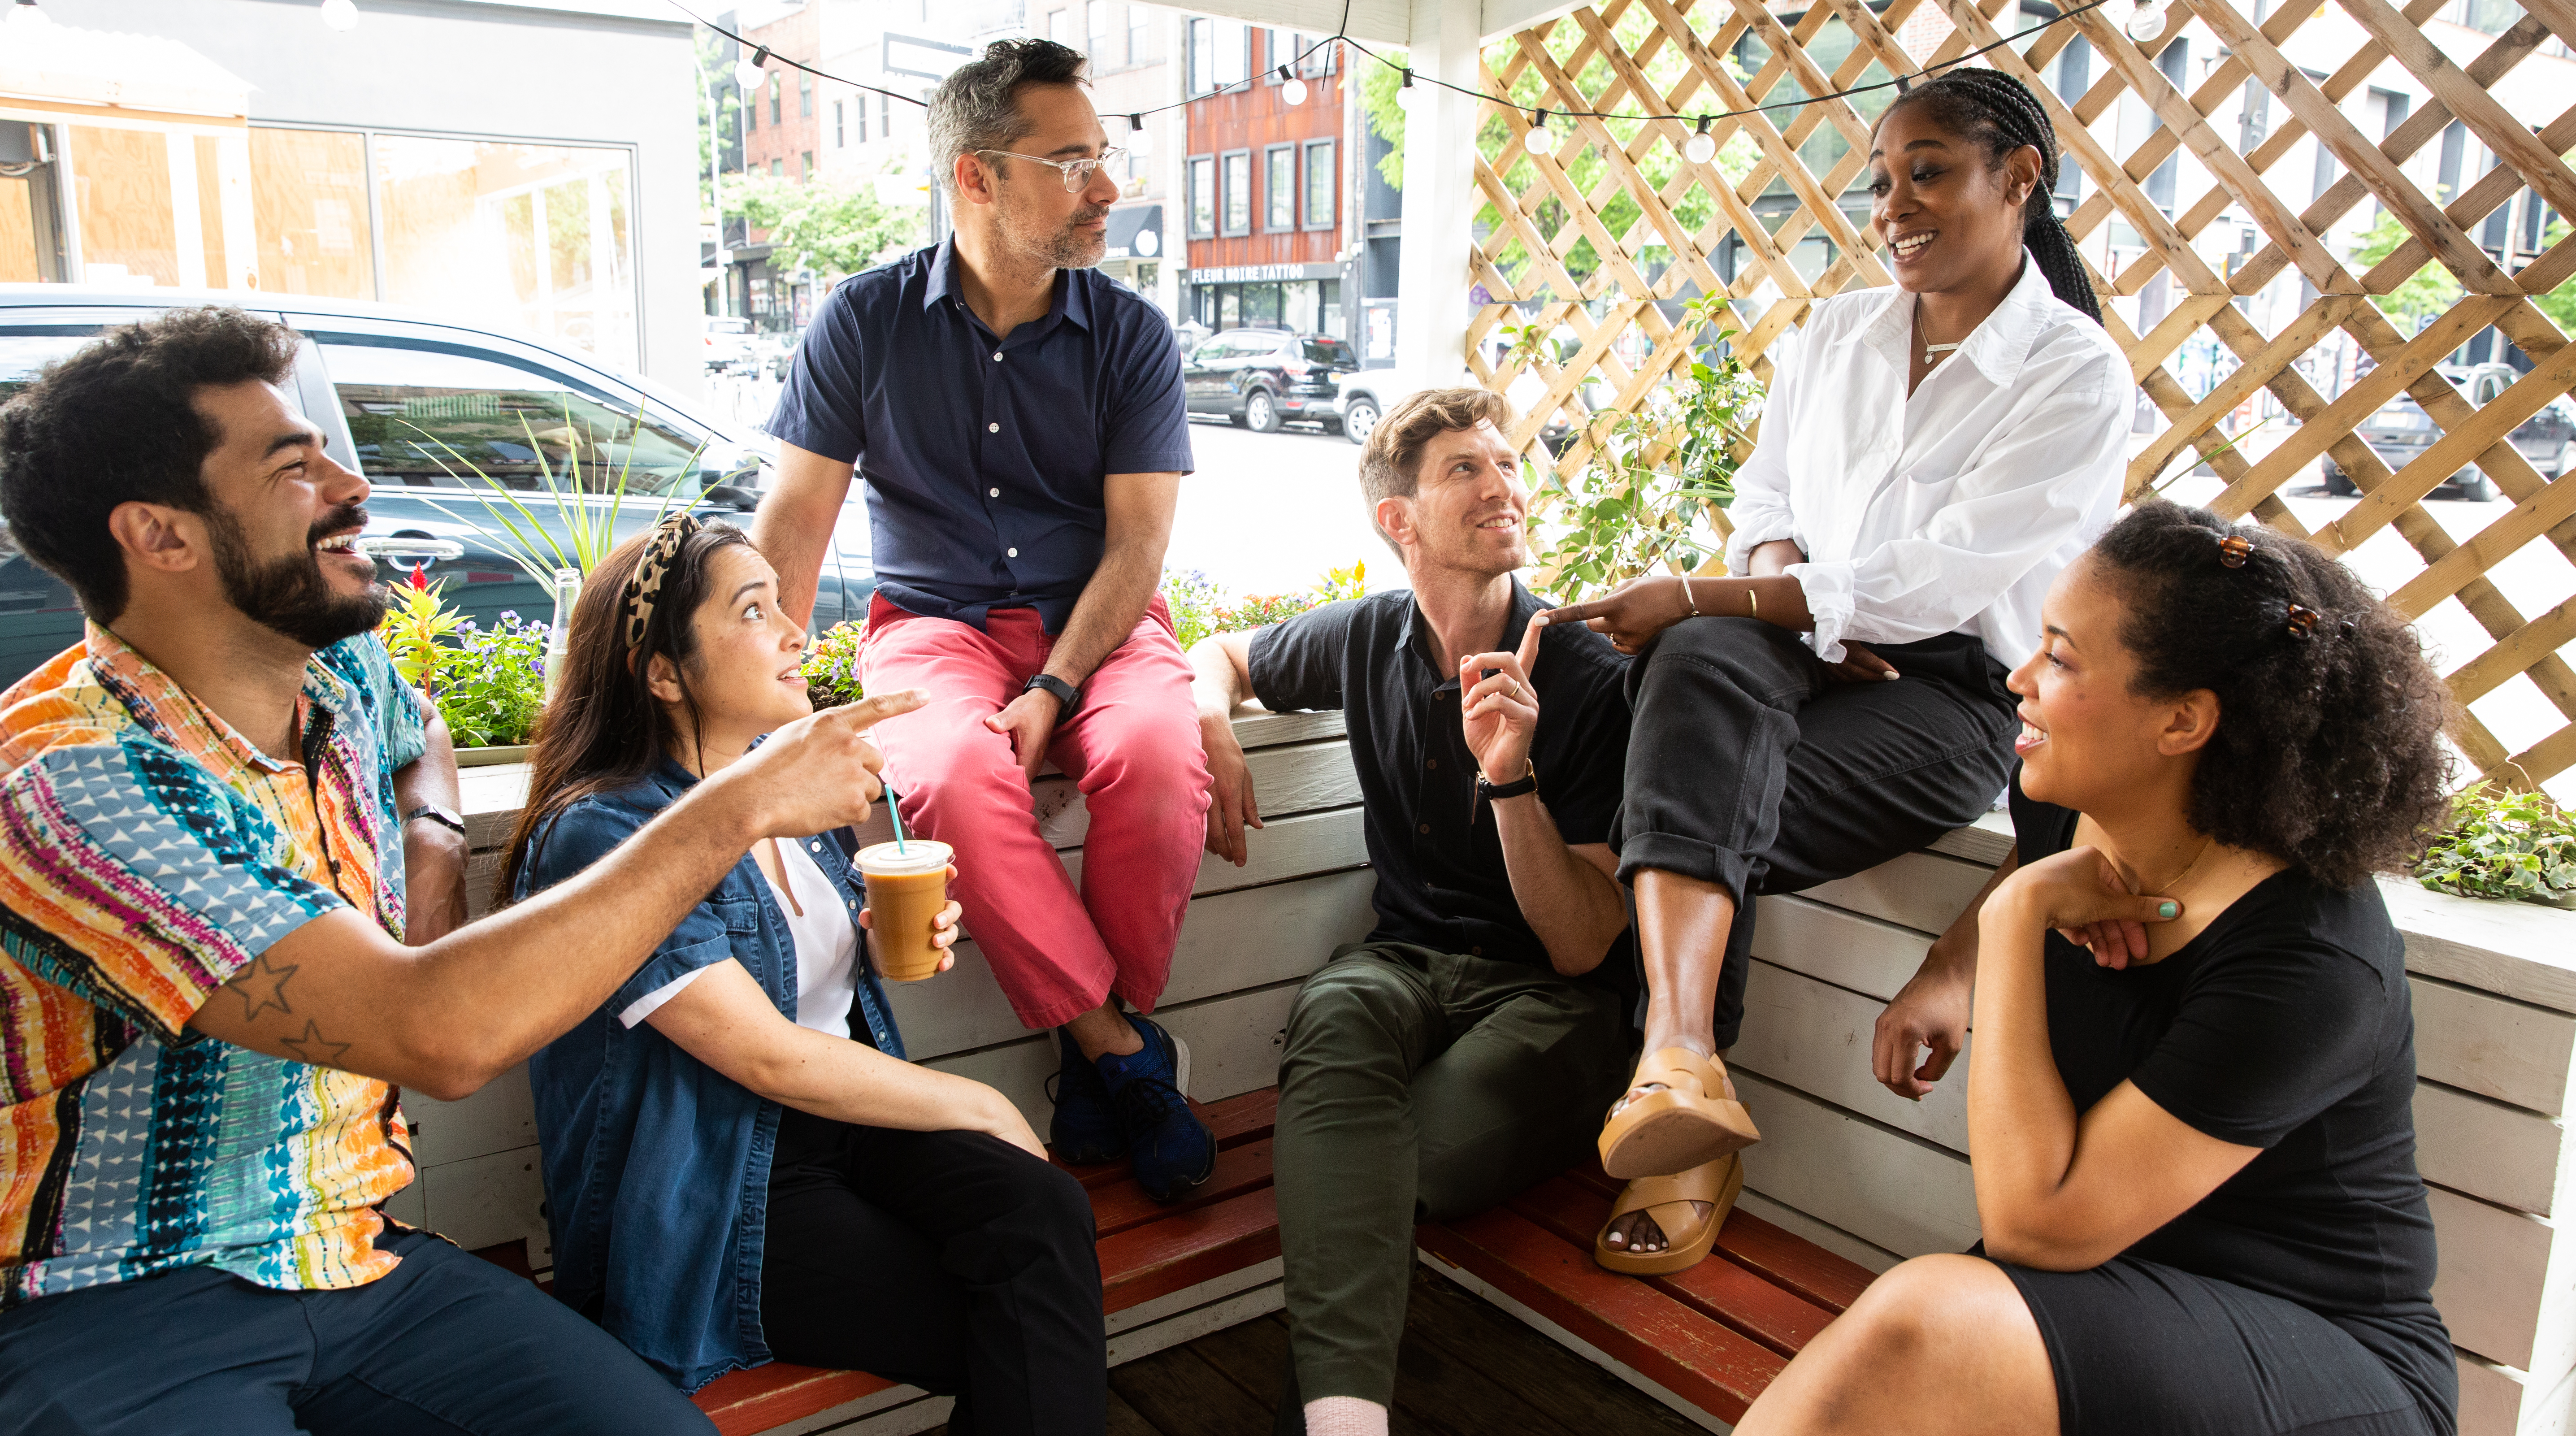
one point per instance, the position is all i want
(1667, 1200)
(1689, 1123)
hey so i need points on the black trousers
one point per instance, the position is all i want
(1751, 768)
(951, 1261)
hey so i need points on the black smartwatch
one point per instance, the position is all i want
(444, 817)
(1067, 697)
(1525, 783)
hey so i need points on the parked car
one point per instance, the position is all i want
(2401, 430)
(728, 342)
(419, 404)
(1364, 396)
(1262, 379)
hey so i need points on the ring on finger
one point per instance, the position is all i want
(1516, 688)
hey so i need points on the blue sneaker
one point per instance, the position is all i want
(1172, 1149)
(1085, 1128)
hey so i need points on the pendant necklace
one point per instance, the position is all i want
(1932, 353)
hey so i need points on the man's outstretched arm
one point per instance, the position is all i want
(445, 1018)
(793, 527)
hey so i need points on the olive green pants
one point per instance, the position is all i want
(1418, 1086)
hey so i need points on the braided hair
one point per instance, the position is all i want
(2328, 752)
(2000, 113)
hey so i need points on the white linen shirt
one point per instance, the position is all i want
(1949, 511)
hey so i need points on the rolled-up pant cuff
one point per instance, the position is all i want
(1685, 857)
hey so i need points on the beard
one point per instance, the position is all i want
(1057, 246)
(288, 595)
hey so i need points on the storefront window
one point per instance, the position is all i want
(308, 196)
(535, 237)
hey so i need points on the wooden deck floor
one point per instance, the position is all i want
(1466, 1370)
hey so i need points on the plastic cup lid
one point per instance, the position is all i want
(916, 855)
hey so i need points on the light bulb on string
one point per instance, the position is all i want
(1405, 94)
(746, 73)
(24, 16)
(1140, 140)
(340, 14)
(1291, 89)
(2147, 21)
(1702, 146)
(1540, 140)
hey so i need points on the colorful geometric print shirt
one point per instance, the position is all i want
(147, 854)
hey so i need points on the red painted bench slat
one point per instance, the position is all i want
(1716, 1288)
(1670, 1344)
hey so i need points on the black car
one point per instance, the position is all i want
(419, 405)
(1263, 379)
(2401, 430)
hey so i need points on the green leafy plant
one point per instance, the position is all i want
(832, 665)
(1633, 505)
(1342, 583)
(2503, 843)
(586, 531)
(496, 685)
(1195, 600)
(412, 629)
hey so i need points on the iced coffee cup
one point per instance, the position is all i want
(907, 887)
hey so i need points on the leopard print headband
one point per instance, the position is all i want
(646, 585)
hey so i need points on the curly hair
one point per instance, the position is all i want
(117, 423)
(2328, 753)
(2000, 113)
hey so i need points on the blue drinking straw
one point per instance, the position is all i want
(894, 810)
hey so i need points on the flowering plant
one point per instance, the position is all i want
(497, 683)
(1199, 605)
(832, 665)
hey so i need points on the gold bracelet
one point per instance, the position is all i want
(1753, 598)
(1688, 599)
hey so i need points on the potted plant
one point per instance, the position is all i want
(487, 684)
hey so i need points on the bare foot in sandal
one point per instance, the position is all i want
(1637, 1231)
(1680, 1113)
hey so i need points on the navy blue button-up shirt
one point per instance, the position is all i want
(984, 458)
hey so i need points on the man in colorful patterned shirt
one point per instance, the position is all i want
(206, 997)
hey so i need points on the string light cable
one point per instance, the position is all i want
(1700, 147)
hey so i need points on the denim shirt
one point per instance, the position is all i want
(657, 1165)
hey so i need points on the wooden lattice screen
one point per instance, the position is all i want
(1605, 255)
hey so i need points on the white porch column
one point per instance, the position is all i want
(1439, 193)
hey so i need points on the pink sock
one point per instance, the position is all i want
(1344, 1416)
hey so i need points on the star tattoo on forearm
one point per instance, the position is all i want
(313, 1049)
(263, 986)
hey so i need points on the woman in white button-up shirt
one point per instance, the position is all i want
(1931, 457)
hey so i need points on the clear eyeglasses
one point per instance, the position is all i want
(1077, 173)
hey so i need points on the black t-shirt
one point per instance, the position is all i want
(2286, 1025)
(1439, 857)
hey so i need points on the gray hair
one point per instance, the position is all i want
(977, 106)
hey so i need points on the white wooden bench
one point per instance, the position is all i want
(1844, 1164)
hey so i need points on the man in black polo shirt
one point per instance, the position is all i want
(1470, 1046)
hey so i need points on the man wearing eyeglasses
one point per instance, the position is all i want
(1021, 428)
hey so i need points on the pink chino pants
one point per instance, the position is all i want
(1133, 750)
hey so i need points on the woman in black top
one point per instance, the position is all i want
(2189, 1114)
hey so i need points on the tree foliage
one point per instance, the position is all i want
(825, 224)
(2425, 296)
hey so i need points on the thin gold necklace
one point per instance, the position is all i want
(2206, 845)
